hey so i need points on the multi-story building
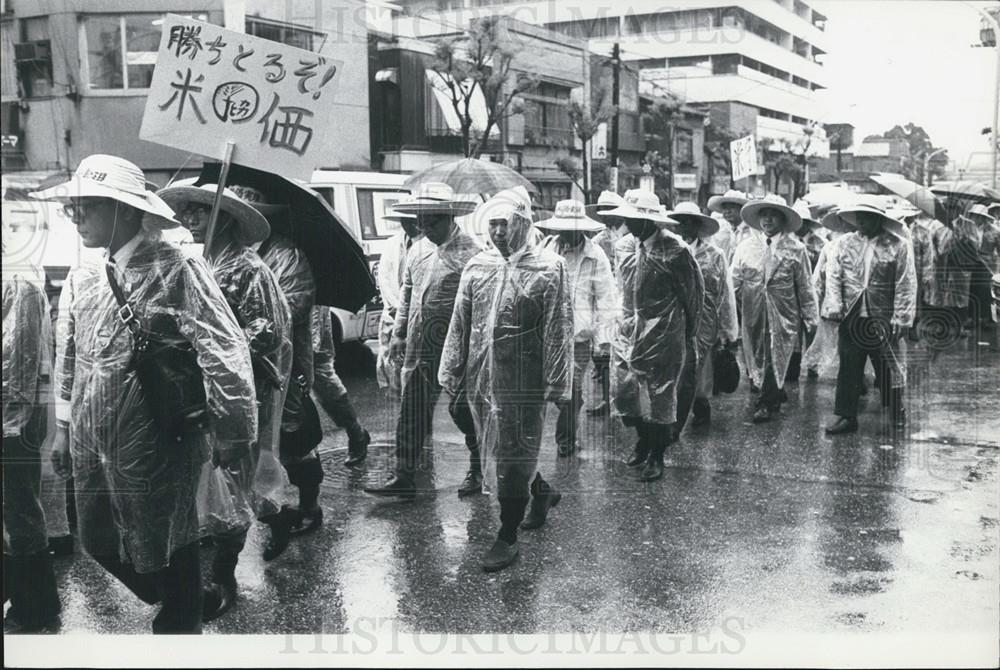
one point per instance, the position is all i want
(76, 76)
(756, 65)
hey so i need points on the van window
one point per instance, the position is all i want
(327, 194)
(373, 205)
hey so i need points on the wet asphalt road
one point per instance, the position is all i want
(776, 527)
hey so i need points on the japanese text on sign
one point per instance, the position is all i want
(743, 153)
(213, 85)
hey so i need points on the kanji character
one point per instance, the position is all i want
(186, 40)
(215, 46)
(183, 91)
(308, 71)
(290, 133)
(274, 60)
(240, 56)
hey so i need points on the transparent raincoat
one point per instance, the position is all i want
(923, 259)
(391, 269)
(134, 488)
(890, 294)
(662, 300)
(511, 344)
(776, 299)
(256, 486)
(956, 249)
(593, 291)
(718, 316)
(430, 285)
(822, 355)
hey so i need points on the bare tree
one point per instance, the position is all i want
(587, 118)
(482, 59)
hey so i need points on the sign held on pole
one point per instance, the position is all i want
(743, 155)
(213, 85)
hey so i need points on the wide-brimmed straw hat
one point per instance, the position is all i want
(570, 215)
(253, 225)
(849, 215)
(835, 224)
(640, 204)
(257, 199)
(979, 209)
(434, 198)
(730, 197)
(607, 201)
(805, 213)
(689, 212)
(105, 176)
(751, 212)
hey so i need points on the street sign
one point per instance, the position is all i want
(599, 143)
(743, 154)
(647, 183)
(685, 182)
(212, 86)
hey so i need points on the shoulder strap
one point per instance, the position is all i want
(125, 313)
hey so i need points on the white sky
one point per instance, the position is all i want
(892, 61)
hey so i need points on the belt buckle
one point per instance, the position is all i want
(125, 314)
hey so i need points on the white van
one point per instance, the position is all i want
(362, 199)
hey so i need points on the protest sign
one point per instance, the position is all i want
(743, 153)
(213, 86)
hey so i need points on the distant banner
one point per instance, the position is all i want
(213, 85)
(743, 153)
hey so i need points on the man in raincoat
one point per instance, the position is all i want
(921, 232)
(607, 239)
(135, 485)
(871, 290)
(295, 278)
(981, 277)
(718, 326)
(956, 256)
(391, 268)
(821, 355)
(509, 345)
(771, 278)
(595, 301)
(29, 581)
(253, 294)
(656, 353)
(809, 236)
(430, 284)
(729, 206)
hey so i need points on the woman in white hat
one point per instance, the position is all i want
(510, 346)
(728, 206)
(776, 298)
(256, 299)
(656, 351)
(430, 284)
(871, 289)
(595, 302)
(718, 326)
(115, 439)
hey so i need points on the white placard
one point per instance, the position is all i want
(743, 153)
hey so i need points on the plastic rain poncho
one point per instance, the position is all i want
(923, 259)
(956, 249)
(776, 298)
(663, 295)
(391, 272)
(291, 267)
(255, 297)
(26, 335)
(890, 292)
(510, 344)
(822, 355)
(607, 239)
(593, 291)
(134, 489)
(718, 316)
(430, 285)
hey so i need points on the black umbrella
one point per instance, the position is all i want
(343, 278)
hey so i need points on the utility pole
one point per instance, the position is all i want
(616, 63)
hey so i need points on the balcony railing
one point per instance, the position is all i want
(548, 137)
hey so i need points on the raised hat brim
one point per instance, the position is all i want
(707, 226)
(751, 214)
(252, 222)
(630, 212)
(453, 207)
(849, 216)
(716, 202)
(584, 225)
(600, 210)
(162, 215)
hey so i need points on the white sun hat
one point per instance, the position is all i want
(751, 212)
(105, 176)
(641, 204)
(689, 211)
(434, 198)
(570, 215)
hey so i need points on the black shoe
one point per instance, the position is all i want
(499, 556)
(653, 469)
(701, 412)
(281, 533)
(13, 626)
(763, 415)
(567, 449)
(541, 503)
(472, 484)
(401, 487)
(843, 425)
(307, 522)
(638, 456)
(599, 409)
(60, 547)
(357, 452)
(218, 600)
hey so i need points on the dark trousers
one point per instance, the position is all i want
(177, 588)
(416, 414)
(861, 338)
(334, 399)
(770, 393)
(569, 413)
(227, 555)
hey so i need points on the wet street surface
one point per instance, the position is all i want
(776, 527)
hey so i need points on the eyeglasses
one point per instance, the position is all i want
(79, 210)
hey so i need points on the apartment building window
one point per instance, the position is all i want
(799, 81)
(121, 49)
(546, 116)
(684, 147)
(602, 26)
(725, 64)
(688, 61)
(286, 33)
(34, 58)
(668, 21)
